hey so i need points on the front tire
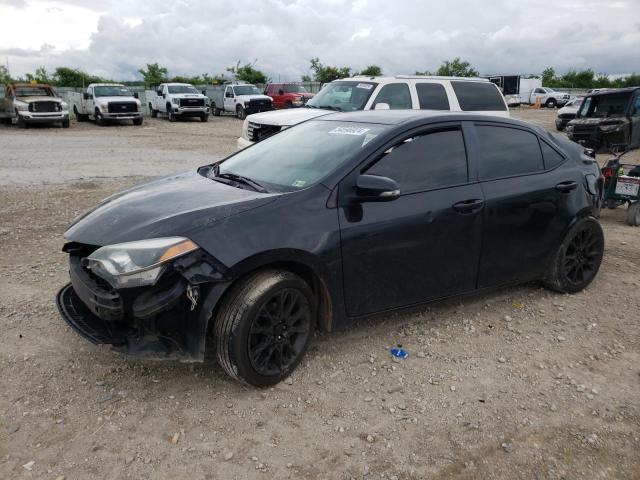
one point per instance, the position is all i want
(264, 326)
(551, 103)
(21, 122)
(204, 117)
(240, 112)
(137, 121)
(66, 123)
(578, 259)
(154, 112)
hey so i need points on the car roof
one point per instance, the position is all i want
(24, 84)
(413, 77)
(613, 91)
(398, 117)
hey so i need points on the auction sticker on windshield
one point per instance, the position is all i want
(350, 130)
(366, 86)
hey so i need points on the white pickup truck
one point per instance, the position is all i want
(102, 102)
(178, 100)
(239, 98)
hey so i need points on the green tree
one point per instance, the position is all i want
(154, 74)
(325, 74)
(548, 76)
(372, 71)
(248, 73)
(72, 77)
(5, 76)
(457, 68)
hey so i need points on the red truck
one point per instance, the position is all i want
(287, 95)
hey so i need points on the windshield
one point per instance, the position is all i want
(302, 155)
(345, 96)
(182, 89)
(246, 90)
(294, 89)
(34, 92)
(111, 91)
(601, 106)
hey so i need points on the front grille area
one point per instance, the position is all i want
(192, 102)
(260, 103)
(44, 107)
(585, 129)
(123, 107)
(257, 132)
(567, 115)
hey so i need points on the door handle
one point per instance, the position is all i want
(566, 187)
(468, 206)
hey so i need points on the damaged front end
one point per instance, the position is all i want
(600, 133)
(150, 299)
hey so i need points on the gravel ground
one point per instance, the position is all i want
(517, 383)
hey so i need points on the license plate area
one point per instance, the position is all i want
(628, 186)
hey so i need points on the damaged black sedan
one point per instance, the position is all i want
(334, 219)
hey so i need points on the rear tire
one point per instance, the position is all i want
(264, 326)
(578, 259)
(633, 214)
(240, 112)
(551, 103)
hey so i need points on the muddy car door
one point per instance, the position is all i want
(425, 243)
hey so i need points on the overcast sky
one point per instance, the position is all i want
(113, 38)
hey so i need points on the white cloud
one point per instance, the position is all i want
(114, 38)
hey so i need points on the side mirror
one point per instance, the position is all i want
(86, 96)
(372, 188)
(382, 106)
(135, 95)
(280, 92)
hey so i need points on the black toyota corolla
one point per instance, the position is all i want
(334, 219)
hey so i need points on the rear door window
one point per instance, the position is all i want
(432, 96)
(505, 152)
(433, 160)
(478, 96)
(396, 95)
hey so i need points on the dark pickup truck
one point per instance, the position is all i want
(608, 118)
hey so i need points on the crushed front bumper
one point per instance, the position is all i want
(155, 323)
(52, 117)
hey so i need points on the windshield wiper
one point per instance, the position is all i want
(331, 107)
(244, 180)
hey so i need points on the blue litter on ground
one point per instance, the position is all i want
(399, 353)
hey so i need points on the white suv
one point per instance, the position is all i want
(456, 94)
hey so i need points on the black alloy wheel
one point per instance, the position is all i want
(578, 259)
(279, 332)
(264, 326)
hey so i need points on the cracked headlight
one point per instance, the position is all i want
(140, 263)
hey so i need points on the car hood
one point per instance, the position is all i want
(39, 98)
(188, 95)
(571, 109)
(246, 98)
(101, 100)
(179, 205)
(287, 117)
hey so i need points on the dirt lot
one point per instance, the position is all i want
(519, 383)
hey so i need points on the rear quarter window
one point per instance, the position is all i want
(478, 96)
(551, 157)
